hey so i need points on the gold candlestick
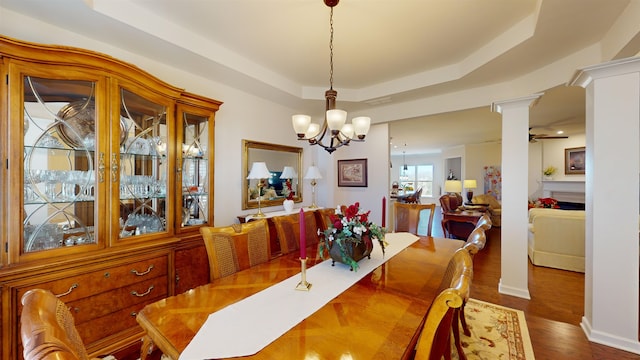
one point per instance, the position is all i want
(303, 285)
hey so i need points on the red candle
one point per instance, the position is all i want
(303, 236)
(384, 210)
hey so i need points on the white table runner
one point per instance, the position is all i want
(246, 327)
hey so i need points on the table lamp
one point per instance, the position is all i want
(313, 173)
(288, 173)
(470, 185)
(259, 171)
(453, 186)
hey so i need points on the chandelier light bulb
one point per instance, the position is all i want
(361, 126)
(312, 131)
(336, 119)
(300, 124)
(347, 131)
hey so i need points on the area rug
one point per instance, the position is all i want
(497, 332)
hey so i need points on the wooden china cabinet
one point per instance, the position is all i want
(107, 176)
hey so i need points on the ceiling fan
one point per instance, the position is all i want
(534, 137)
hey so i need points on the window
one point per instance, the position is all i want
(416, 176)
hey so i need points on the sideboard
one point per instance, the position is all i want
(108, 177)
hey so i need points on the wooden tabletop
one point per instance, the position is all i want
(376, 318)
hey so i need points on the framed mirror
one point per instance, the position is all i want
(274, 190)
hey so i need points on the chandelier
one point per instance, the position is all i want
(335, 121)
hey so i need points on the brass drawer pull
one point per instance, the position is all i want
(134, 271)
(101, 168)
(114, 168)
(135, 293)
(68, 291)
(133, 313)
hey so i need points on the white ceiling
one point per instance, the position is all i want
(396, 60)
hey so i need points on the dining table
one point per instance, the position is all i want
(380, 316)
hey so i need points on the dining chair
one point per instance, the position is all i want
(476, 241)
(413, 198)
(324, 218)
(251, 241)
(288, 230)
(407, 217)
(484, 222)
(48, 329)
(440, 322)
(221, 252)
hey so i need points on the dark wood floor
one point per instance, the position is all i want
(554, 312)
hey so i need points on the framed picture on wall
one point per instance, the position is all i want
(352, 173)
(574, 160)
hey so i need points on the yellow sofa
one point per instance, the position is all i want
(495, 208)
(557, 238)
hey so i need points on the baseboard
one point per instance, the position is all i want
(630, 345)
(518, 292)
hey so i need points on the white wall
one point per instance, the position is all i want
(477, 156)
(550, 152)
(376, 150)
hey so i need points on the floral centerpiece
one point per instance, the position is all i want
(348, 231)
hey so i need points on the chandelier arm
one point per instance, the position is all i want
(322, 133)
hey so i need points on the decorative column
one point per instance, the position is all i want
(515, 154)
(612, 202)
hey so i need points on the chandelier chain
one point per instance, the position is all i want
(331, 50)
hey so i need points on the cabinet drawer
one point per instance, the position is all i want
(105, 303)
(97, 325)
(95, 282)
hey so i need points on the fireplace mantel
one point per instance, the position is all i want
(569, 191)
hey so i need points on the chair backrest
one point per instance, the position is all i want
(236, 247)
(435, 338)
(288, 230)
(476, 241)
(325, 217)
(450, 202)
(407, 217)
(484, 222)
(221, 252)
(47, 328)
(413, 198)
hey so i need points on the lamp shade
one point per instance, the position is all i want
(288, 173)
(312, 131)
(313, 173)
(347, 131)
(301, 123)
(259, 171)
(470, 184)
(336, 118)
(361, 125)
(453, 186)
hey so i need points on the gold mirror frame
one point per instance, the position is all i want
(282, 155)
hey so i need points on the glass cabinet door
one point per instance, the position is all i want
(195, 131)
(143, 165)
(59, 155)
